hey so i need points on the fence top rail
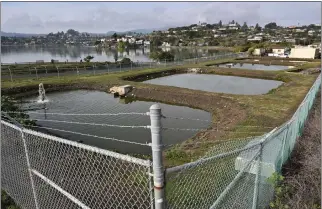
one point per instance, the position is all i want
(123, 157)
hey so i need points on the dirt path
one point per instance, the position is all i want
(303, 171)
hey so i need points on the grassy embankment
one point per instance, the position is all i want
(233, 115)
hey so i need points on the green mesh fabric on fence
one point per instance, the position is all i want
(238, 174)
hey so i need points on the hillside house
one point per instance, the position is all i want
(310, 32)
(290, 40)
(299, 30)
(132, 40)
(256, 38)
(304, 52)
(259, 51)
(146, 43)
(166, 44)
(233, 26)
(278, 50)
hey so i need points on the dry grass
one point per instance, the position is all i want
(303, 171)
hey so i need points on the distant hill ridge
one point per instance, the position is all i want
(143, 31)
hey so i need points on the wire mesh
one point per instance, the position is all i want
(92, 177)
(204, 183)
(15, 179)
(237, 173)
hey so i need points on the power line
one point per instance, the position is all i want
(178, 118)
(91, 124)
(79, 114)
(212, 130)
(90, 135)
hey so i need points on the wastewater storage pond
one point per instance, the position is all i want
(254, 66)
(218, 83)
(92, 102)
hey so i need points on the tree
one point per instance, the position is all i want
(97, 42)
(271, 25)
(121, 45)
(114, 36)
(220, 23)
(126, 60)
(116, 57)
(257, 27)
(162, 56)
(244, 27)
(250, 51)
(88, 58)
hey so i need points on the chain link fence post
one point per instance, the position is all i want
(36, 73)
(10, 74)
(57, 71)
(27, 157)
(257, 178)
(158, 169)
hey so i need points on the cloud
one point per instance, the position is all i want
(45, 17)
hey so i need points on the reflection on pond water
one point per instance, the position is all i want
(100, 102)
(12, 54)
(254, 66)
(218, 83)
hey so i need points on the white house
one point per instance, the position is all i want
(256, 38)
(299, 30)
(278, 50)
(222, 29)
(233, 26)
(139, 42)
(304, 52)
(290, 40)
(258, 51)
(275, 41)
(166, 44)
(146, 43)
(132, 40)
(310, 32)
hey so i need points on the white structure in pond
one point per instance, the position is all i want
(42, 93)
(121, 90)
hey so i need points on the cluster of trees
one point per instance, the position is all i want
(161, 56)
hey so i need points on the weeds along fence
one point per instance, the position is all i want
(36, 71)
(44, 171)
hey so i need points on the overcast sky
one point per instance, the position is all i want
(101, 17)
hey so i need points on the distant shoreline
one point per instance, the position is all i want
(200, 47)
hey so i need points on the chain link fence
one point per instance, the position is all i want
(43, 171)
(238, 173)
(10, 72)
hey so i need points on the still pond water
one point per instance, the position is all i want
(12, 54)
(218, 83)
(255, 66)
(100, 102)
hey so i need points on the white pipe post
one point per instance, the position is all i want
(10, 74)
(36, 73)
(57, 71)
(46, 69)
(158, 169)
